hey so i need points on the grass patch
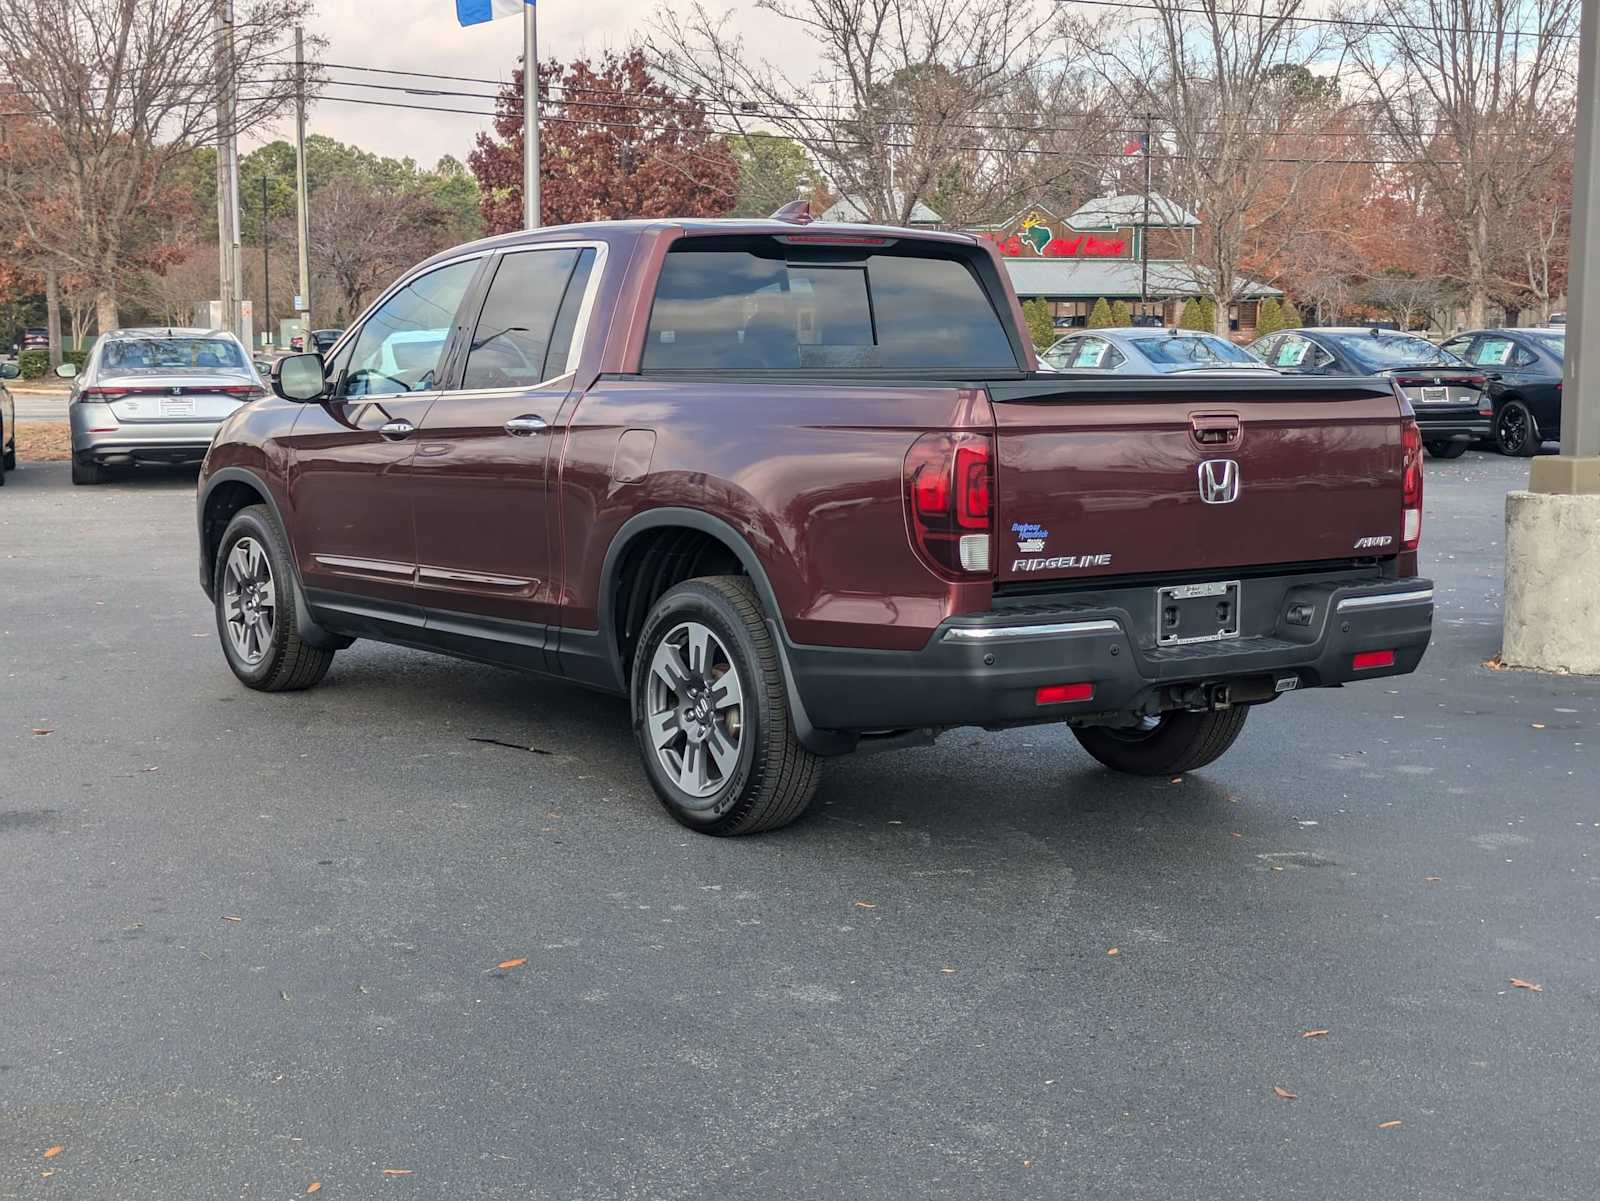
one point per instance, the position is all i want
(43, 440)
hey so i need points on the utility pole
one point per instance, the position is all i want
(1144, 230)
(228, 273)
(266, 265)
(302, 210)
(530, 116)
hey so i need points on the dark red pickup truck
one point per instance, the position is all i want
(797, 489)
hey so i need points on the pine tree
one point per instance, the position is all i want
(1291, 315)
(1208, 315)
(1121, 314)
(1041, 326)
(1100, 315)
(1190, 317)
(1269, 319)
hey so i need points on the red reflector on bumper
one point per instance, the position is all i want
(1059, 694)
(1373, 659)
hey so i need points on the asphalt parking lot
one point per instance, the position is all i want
(249, 943)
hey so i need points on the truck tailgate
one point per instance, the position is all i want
(1140, 475)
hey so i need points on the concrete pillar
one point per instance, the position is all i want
(1553, 529)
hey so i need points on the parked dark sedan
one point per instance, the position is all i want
(1448, 394)
(1523, 367)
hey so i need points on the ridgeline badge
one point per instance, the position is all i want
(1030, 537)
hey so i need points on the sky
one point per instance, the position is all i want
(422, 35)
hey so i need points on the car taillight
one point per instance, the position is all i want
(106, 394)
(949, 488)
(1411, 483)
(1477, 381)
(244, 392)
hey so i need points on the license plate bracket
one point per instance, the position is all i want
(177, 406)
(1197, 613)
(1435, 396)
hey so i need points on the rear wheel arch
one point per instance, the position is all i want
(226, 492)
(656, 550)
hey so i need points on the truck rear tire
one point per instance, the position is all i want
(1180, 741)
(711, 713)
(1447, 450)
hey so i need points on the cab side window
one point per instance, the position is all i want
(401, 347)
(524, 332)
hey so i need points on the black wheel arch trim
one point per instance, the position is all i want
(309, 630)
(818, 742)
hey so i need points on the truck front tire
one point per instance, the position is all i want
(711, 714)
(1179, 741)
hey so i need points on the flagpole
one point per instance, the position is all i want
(530, 116)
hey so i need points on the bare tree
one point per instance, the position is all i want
(1241, 120)
(1406, 297)
(913, 98)
(363, 236)
(119, 91)
(1480, 94)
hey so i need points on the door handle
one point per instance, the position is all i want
(1215, 429)
(396, 430)
(525, 426)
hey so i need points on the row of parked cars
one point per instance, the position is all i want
(1494, 386)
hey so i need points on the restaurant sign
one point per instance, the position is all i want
(1040, 236)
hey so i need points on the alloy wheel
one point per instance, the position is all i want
(1513, 431)
(249, 605)
(694, 710)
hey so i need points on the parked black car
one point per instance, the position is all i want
(1447, 393)
(1523, 367)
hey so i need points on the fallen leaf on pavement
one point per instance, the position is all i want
(1430, 879)
(865, 905)
(1531, 987)
(314, 1186)
(1283, 1094)
(397, 1171)
(1177, 779)
(1538, 725)
(54, 1151)
(1393, 1125)
(228, 917)
(1114, 951)
(1314, 1034)
(42, 733)
(948, 970)
(506, 965)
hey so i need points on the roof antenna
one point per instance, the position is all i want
(796, 212)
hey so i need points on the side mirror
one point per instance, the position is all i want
(299, 377)
(9, 371)
(67, 370)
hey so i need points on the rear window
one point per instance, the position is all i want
(775, 308)
(171, 354)
(1379, 351)
(1199, 351)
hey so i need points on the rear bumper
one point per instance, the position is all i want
(1460, 426)
(985, 670)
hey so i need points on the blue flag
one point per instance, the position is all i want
(476, 12)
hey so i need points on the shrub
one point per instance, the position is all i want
(1100, 315)
(1269, 318)
(1208, 314)
(1041, 326)
(34, 364)
(1291, 316)
(1121, 314)
(1190, 318)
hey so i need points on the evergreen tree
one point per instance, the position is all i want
(1269, 319)
(1191, 316)
(1208, 315)
(1291, 315)
(1121, 314)
(1100, 315)
(1041, 326)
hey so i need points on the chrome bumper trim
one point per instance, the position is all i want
(1417, 596)
(1002, 633)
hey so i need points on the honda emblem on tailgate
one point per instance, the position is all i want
(1219, 481)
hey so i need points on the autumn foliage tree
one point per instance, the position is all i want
(614, 142)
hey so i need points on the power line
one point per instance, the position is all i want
(1340, 22)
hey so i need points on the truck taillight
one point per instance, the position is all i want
(949, 488)
(1411, 483)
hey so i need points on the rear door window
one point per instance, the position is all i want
(517, 343)
(1493, 352)
(772, 308)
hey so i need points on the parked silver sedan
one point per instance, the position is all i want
(154, 396)
(1148, 351)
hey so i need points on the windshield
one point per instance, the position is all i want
(171, 354)
(1377, 352)
(1198, 351)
